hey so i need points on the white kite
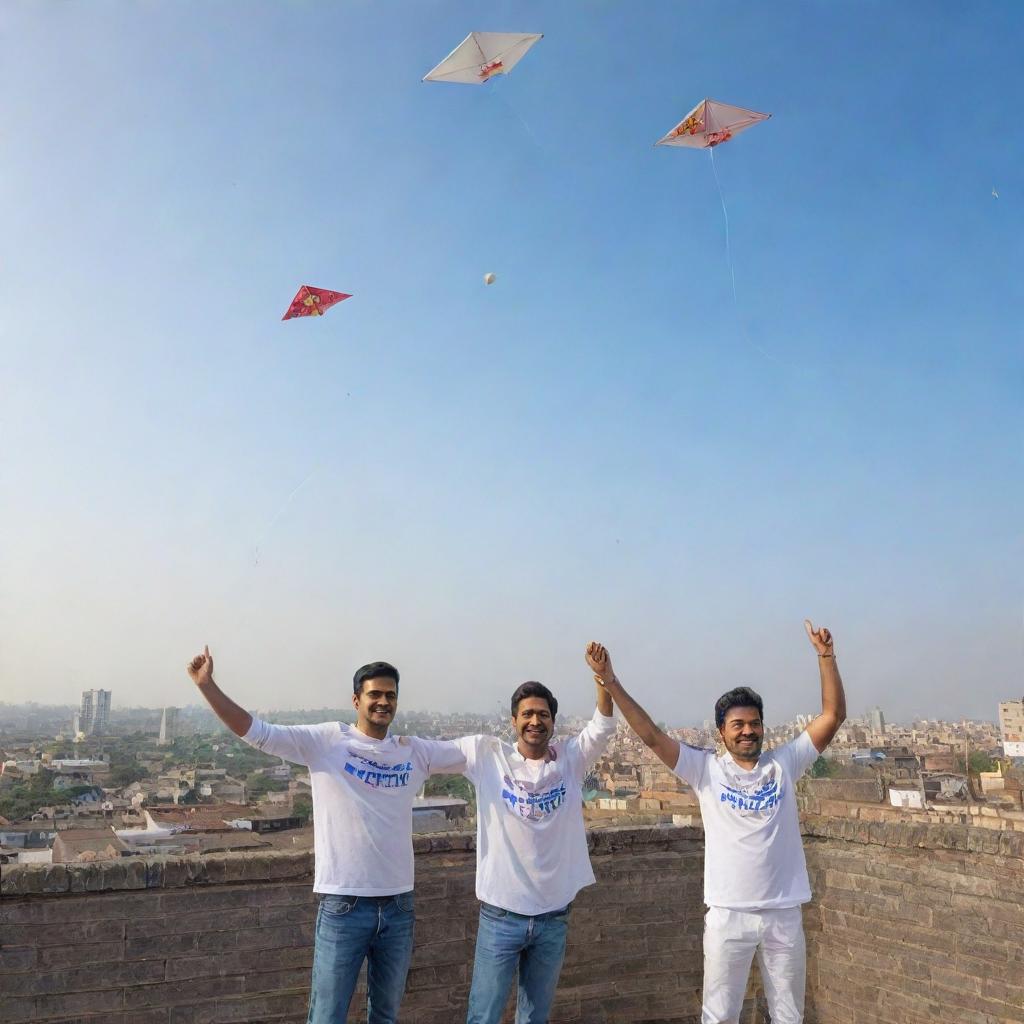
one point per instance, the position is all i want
(711, 123)
(481, 56)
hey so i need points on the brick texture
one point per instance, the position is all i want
(913, 924)
(910, 924)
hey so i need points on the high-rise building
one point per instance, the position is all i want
(168, 726)
(94, 714)
(1011, 726)
(877, 721)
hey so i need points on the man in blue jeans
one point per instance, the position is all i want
(531, 849)
(364, 782)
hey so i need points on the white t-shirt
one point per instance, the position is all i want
(753, 853)
(363, 791)
(531, 846)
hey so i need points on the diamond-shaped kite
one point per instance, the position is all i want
(711, 123)
(481, 56)
(310, 301)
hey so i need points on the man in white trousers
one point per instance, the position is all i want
(755, 876)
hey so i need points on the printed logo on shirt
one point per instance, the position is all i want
(530, 805)
(761, 801)
(380, 776)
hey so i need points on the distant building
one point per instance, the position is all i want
(168, 727)
(433, 813)
(281, 772)
(198, 818)
(946, 786)
(87, 844)
(657, 776)
(1011, 727)
(939, 761)
(909, 795)
(267, 822)
(992, 782)
(94, 714)
(877, 722)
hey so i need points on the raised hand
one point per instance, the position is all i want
(600, 663)
(200, 668)
(833, 697)
(821, 639)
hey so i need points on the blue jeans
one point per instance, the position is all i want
(505, 943)
(349, 930)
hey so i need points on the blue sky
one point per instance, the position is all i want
(603, 444)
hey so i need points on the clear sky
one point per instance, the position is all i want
(603, 444)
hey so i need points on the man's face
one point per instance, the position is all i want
(377, 702)
(743, 733)
(533, 722)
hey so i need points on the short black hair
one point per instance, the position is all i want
(534, 689)
(740, 697)
(375, 670)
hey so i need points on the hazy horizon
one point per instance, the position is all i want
(480, 713)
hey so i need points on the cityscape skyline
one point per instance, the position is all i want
(1009, 717)
(416, 698)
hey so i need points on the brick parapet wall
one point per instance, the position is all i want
(909, 924)
(864, 791)
(978, 816)
(228, 937)
(914, 923)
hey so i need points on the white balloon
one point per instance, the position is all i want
(489, 278)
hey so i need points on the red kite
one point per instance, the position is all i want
(313, 302)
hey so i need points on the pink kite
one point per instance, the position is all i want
(313, 302)
(710, 123)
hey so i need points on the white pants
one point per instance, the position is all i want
(731, 937)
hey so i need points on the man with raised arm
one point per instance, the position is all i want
(531, 850)
(364, 782)
(755, 877)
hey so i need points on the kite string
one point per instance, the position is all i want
(240, 592)
(280, 512)
(725, 213)
(515, 113)
(732, 269)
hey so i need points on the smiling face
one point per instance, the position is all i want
(534, 725)
(743, 733)
(376, 704)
